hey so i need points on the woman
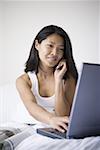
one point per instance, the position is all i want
(48, 85)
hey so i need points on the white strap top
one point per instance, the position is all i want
(46, 102)
(22, 115)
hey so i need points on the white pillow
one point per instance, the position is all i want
(12, 107)
(22, 115)
(8, 101)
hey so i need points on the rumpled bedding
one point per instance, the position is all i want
(38, 142)
(28, 139)
(11, 134)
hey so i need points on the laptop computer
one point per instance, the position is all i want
(85, 111)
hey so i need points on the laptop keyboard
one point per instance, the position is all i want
(54, 131)
(50, 132)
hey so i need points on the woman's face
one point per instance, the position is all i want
(50, 50)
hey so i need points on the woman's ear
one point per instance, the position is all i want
(37, 44)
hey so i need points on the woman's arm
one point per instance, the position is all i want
(23, 85)
(64, 90)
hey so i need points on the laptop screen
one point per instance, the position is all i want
(85, 114)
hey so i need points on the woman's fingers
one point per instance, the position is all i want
(63, 125)
(60, 123)
(60, 129)
(65, 119)
(60, 70)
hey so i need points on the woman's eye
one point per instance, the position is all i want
(49, 45)
(61, 49)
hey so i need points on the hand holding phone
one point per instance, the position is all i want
(60, 69)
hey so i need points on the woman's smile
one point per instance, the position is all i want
(52, 58)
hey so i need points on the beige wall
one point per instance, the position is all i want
(1, 38)
(22, 20)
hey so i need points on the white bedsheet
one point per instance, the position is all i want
(38, 142)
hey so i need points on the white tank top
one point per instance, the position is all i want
(22, 115)
(47, 102)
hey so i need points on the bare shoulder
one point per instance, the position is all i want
(23, 79)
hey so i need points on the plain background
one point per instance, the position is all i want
(20, 21)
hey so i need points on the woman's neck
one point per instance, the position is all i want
(45, 71)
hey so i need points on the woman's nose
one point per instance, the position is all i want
(54, 51)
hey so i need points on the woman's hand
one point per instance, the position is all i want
(59, 123)
(60, 70)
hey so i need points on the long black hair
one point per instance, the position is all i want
(33, 59)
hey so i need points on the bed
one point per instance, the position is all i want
(25, 137)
